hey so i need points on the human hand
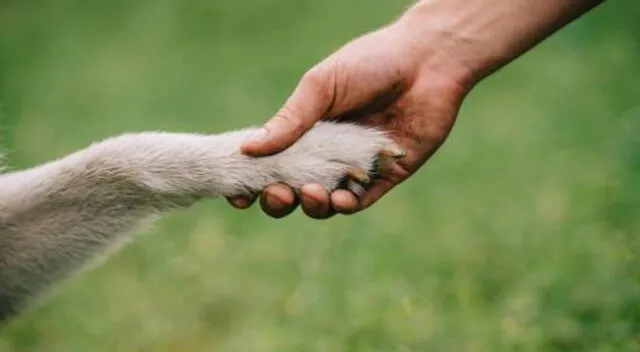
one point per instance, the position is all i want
(381, 79)
(409, 79)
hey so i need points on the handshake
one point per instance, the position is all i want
(399, 90)
(58, 216)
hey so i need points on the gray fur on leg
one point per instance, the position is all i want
(57, 217)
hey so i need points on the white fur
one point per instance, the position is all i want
(57, 217)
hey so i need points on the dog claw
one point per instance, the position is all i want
(393, 150)
(384, 164)
(355, 187)
(358, 175)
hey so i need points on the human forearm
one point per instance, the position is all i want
(473, 38)
(409, 78)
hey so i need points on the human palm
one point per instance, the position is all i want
(377, 80)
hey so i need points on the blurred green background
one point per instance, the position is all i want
(520, 235)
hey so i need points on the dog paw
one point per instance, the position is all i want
(337, 155)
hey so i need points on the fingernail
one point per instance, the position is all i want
(312, 202)
(259, 135)
(274, 202)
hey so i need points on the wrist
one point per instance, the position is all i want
(470, 39)
(440, 44)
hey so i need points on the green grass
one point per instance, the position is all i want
(520, 235)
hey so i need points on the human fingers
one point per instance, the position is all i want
(308, 103)
(315, 201)
(241, 202)
(344, 202)
(278, 200)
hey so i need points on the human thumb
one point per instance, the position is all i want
(308, 103)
